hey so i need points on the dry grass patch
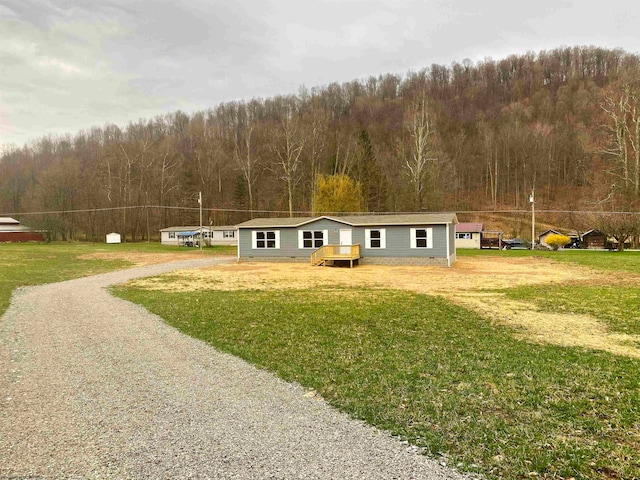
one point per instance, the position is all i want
(565, 329)
(468, 273)
(472, 282)
(140, 259)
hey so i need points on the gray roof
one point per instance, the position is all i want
(15, 228)
(190, 228)
(469, 227)
(356, 220)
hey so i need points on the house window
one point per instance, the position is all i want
(463, 236)
(266, 239)
(422, 237)
(229, 234)
(312, 238)
(172, 234)
(375, 238)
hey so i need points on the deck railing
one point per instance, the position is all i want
(335, 252)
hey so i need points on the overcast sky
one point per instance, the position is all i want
(66, 65)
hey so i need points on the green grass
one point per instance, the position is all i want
(35, 264)
(433, 373)
(157, 247)
(616, 306)
(597, 259)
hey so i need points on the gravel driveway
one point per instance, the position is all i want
(94, 387)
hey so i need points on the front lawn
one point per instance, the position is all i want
(616, 305)
(37, 263)
(34, 264)
(438, 375)
(597, 259)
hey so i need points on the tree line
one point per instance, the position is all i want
(467, 136)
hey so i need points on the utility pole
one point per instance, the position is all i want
(532, 200)
(201, 232)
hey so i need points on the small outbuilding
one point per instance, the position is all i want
(114, 237)
(543, 236)
(11, 230)
(411, 239)
(595, 239)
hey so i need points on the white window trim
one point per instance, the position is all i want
(429, 238)
(325, 239)
(464, 236)
(172, 235)
(254, 239)
(383, 238)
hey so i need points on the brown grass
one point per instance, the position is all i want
(467, 283)
(141, 258)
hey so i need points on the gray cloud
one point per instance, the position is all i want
(71, 64)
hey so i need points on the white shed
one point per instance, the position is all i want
(113, 238)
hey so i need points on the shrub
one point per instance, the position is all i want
(555, 241)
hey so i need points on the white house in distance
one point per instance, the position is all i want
(469, 235)
(215, 235)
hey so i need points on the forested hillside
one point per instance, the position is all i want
(462, 137)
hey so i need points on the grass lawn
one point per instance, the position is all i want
(616, 305)
(436, 374)
(598, 259)
(157, 247)
(35, 264)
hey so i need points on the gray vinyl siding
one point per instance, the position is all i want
(398, 241)
(452, 239)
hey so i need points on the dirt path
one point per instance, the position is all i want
(469, 283)
(95, 387)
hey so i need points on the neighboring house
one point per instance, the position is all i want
(543, 236)
(469, 235)
(12, 231)
(223, 235)
(411, 239)
(573, 237)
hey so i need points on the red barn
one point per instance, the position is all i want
(12, 231)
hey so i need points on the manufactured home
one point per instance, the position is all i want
(409, 239)
(185, 235)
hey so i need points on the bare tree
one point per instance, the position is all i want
(288, 146)
(616, 106)
(247, 160)
(621, 226)
(316, 135)
(420, 153)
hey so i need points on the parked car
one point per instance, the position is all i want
(574, 243)
(515, 244)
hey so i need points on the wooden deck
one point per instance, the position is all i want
(328, 254)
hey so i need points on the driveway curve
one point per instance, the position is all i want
(95, 387)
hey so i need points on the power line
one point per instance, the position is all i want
(306, 212)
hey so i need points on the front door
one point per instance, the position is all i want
(345, 239)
